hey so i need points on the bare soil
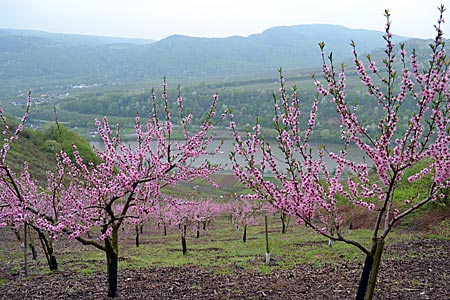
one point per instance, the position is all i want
(417, 269)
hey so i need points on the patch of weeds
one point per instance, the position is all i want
(416, 283)
(16, 269)
(195, 287)
(264, 268)
(87, 271)
(394, 285)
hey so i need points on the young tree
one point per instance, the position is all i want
(244, 212)
(19, 192)
(206, 212)
(181, 214)
(92, 201)
(419, 137)
(23, 202)
(161, 217)
(25, 198)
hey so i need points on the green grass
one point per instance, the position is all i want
(223, 251)
(220, 250)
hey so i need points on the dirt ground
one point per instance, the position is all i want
(411, 270)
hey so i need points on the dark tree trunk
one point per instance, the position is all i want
(25, 261)
(33, 252)
(112, 257)
(198, 230)
(244, 238)
(183, 245)
(137, 235)
(112, 261)
(48, 250)
(369, 275)
(32, 247)
(53, 263)
(183, 240)
(362, 288)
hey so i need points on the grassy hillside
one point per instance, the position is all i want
(38, 149)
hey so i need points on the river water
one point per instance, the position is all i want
(222, 158)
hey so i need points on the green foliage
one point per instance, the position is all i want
(59, 137)
(39, 148)
(408, 193)
(30, 148)
(444, 228)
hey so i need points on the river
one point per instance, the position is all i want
(222, 158)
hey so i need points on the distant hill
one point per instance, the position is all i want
(292, 47)
(29, 57)
(76, 39)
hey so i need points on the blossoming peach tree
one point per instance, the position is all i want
(304, 187)
(90, 202)
(244, 213)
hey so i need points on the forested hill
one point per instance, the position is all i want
(40, 58)
(292, 47)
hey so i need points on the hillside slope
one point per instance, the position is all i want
(30, 58)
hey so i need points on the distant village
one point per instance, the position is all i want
(43, 96)
(59, 92)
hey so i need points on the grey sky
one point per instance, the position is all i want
(156, 19)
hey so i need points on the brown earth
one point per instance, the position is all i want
(417, 269)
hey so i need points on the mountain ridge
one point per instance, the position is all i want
(36, 57)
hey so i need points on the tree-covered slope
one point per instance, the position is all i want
(292, 47)
(30, 58)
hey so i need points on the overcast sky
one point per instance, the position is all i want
(156, 19)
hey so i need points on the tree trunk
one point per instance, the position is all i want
(112, 261)
(183, 240)
(244, 238)
(364, 278)
(369, 275)
(32, 247)
(48, 250)
(112, 258)
(198, 230)
(165, 230)
(374, 270)
(284, 222)
(137, 235)
(25, 260)
(266, 227)
(17, 234)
